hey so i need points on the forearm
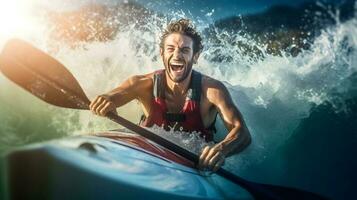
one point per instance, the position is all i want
(119, 97)
(108, 102)
(236, 141)
(126, 92)
(213, 157)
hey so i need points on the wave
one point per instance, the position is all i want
(295, 105)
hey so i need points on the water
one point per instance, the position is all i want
(300, 109)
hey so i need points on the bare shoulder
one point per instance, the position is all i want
(141, 82)
(211, 82)
(137, 86)
(213, 88)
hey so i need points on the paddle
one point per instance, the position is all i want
(49, 80)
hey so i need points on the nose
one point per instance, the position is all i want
(177, 53)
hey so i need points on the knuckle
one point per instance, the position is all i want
(204, 151)
(101, 111)
(97, 110)
(214, 160)
(211, 162)
(100, 99)
(214, 150)
(201, 157)
(109, 104)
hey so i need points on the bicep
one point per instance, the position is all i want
(228, 111)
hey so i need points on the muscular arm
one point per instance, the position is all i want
(238, 136)
(129, 90)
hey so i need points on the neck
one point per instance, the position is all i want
(178, 88)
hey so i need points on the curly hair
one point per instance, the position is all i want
(183, 26)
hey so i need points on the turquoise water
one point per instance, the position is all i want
(300, 109)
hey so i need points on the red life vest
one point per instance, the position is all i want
(189, 119)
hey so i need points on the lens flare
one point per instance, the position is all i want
(16, 18)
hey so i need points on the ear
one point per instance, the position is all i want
(195, 57)
(161, 52)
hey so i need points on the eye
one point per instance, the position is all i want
(170, 49)
(186, 50)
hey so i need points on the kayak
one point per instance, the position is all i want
(110, 165)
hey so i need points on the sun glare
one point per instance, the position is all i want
(15, 16)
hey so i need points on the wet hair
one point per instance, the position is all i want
(183, 26)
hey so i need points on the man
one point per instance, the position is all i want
(181, 97)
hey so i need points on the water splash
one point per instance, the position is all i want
(273, 92)
(189, 141)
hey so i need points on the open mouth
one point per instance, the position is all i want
(177, 67)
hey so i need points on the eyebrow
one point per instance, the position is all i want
(186, 47)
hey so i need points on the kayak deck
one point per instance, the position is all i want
(146, 145)
(108, 165)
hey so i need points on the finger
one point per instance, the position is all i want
(99, 108)
(97, 101)
(212, 162)
(209, 156)
(202, 156)
(218, 165)
(105, 108)
(92, 103)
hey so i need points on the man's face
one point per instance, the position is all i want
(177, 55)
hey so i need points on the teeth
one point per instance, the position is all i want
(176, 66)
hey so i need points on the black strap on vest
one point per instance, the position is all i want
(159, 85)
(193, 93)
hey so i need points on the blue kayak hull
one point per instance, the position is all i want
(91, 167)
